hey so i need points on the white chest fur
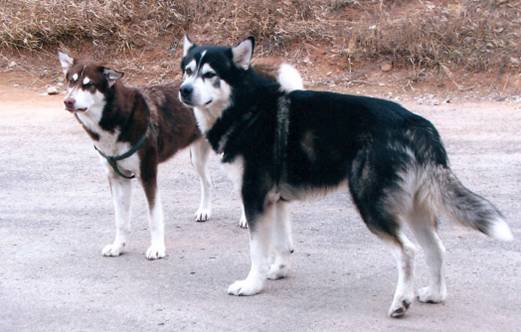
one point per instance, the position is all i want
(108, 143)
(207, 116)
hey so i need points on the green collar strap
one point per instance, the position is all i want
(113, 160)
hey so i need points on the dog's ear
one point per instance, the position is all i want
(187, 44)
(243, 52)
(66, 61)
(112, 75)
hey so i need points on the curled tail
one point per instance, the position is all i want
(289, 78)
(468, 208)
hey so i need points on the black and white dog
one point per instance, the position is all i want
(293, 143)
(134, 129)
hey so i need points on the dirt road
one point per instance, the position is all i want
(56, 215)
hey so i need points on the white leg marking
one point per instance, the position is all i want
(199, 152)
(423, 227)
(156, 224)
(121, 190)
(404, 294)
(282, 242)
(259, 254)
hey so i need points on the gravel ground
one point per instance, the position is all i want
(56, 215)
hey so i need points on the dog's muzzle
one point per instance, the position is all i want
(186, 93)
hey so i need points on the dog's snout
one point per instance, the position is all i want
(186, 91)
(69, 102)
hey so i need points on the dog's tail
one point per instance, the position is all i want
(459, 203)
(289, 78)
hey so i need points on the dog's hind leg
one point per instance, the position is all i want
(121, 191)
(282, 242)
(156, 223)
(380, 219)
(199, 152)
(404, 252)
(423, 225)
(243, 223)
(235, 172)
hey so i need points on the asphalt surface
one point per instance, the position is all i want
(56, 215)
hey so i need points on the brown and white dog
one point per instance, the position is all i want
(149, 121)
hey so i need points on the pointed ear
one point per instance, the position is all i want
(187, 44)
(66, 61)
(112, 76)
(243, 52)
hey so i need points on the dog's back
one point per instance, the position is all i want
(176, 124)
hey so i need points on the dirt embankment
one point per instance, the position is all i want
(446, 47)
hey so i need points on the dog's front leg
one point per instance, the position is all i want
(259, 225)
(282, 242)
(199, 152)
(121, 191)
(156, 223)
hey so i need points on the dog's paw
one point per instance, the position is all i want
(245, 287)
(278, 271)
(112, 250)
(155, 251)
(243, 223)
(400, 305)
(202, 214)
(429, 295)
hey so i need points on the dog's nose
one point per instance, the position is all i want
(186, 91)
(69, 102)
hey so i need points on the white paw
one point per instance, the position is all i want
(245, 287)
(278, 271)
(243, 223)
(155, 252)
(429, 295)
(400, 305)
(112, 250)
(202, 214)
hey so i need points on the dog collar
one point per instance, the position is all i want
(113, 160)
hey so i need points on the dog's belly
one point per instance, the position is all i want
(291, 192)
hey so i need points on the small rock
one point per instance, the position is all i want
(11, 65)
(52, 90)
(385, 67)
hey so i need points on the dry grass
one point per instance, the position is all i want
(28, 24)
(472, 34)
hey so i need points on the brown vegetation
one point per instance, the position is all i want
(468, 35)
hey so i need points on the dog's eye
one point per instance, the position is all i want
(209, 75)
(189, 71)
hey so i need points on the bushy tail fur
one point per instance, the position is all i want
(468, 208)
(289, 78)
